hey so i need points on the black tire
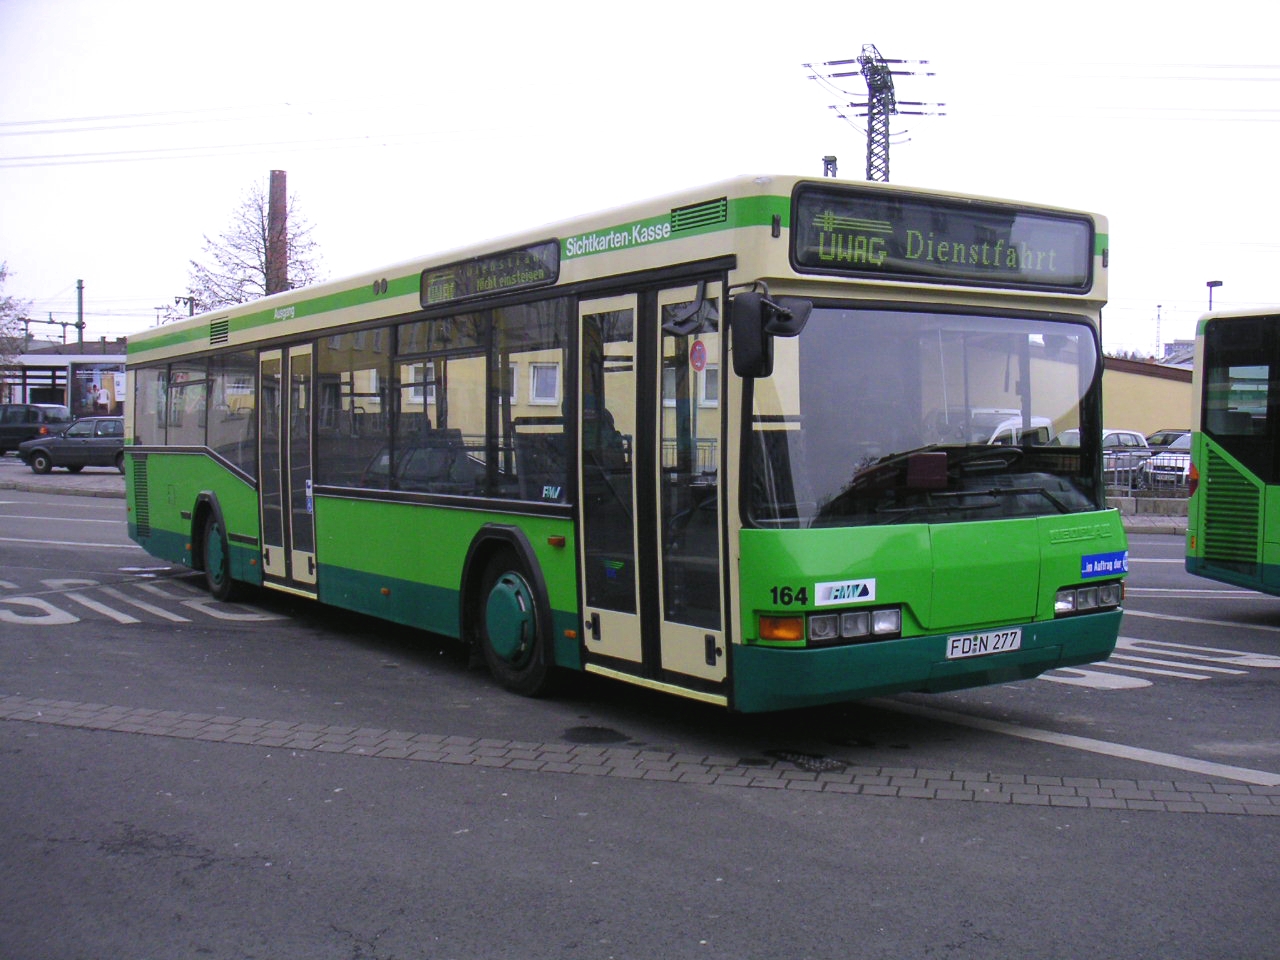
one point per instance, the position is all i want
(41, 462)
(120, 461)
(509, 628)
(217, 560)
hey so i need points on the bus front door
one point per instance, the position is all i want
(288, 518)
(606, 479)
(650, 512)
(689, 507)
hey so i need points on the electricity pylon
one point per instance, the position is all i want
(882, 101)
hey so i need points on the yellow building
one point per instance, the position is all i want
(1145, 396)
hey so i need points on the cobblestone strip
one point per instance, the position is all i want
(1176, 796)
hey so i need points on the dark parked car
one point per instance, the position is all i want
(1162, 438)
(23, 421)
(88, 442)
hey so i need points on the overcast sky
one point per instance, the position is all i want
(131, 130)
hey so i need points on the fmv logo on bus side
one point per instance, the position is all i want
(844, 591)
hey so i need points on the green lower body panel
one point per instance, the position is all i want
(1252, 576)
(770, 678)
(424, 606)
(176, 548)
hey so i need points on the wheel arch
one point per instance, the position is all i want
(490, 539)
(206, 504)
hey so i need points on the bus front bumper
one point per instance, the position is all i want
(771, 678)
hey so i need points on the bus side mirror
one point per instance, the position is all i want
(756, 320)
(752, 347)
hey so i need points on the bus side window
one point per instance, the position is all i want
(541, 463)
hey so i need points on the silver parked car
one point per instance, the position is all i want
(1123, 453)
(1170, 468)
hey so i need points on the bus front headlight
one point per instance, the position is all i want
(1091, 599)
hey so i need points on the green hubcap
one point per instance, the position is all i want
(508, 618)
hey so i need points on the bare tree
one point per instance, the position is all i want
(11, 312)
(235, 270)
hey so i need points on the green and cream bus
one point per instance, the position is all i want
(770, 443)
(1233, 467)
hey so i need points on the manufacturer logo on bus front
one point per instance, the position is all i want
(844, 591)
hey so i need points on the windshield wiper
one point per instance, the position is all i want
(995, 492)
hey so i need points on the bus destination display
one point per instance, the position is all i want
(915, 237)
(531, 266)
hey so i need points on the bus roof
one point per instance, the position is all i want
(649, 234)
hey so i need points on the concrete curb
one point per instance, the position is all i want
(90, 482)
(38, 487)
(1176, 526)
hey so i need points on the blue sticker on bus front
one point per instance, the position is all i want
(1104, 564)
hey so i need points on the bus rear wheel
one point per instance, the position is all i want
(217, 560)
(509, 628)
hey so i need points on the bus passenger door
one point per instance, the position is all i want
(302, 524)
(690, 507)
(285, 428)
(270, 486)
(606, 479)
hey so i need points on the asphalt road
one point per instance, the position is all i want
(273, 779)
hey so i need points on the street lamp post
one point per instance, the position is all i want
(1211, 284)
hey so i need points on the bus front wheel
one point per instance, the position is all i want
(508, 628)
(217, 560)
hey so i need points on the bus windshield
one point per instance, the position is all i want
(877, 416)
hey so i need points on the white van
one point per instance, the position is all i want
(1005, 427)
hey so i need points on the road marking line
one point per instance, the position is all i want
(227, 611)
(1174, 663)
(143, 605)
(102, 608)
(1093, 679)
(1244, 774)
(63, 519)
(1159, 673)
(49, 615)
(1186, 651)
(1222, 594)
(1215, 623)
(159, 591)
(71, 543)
